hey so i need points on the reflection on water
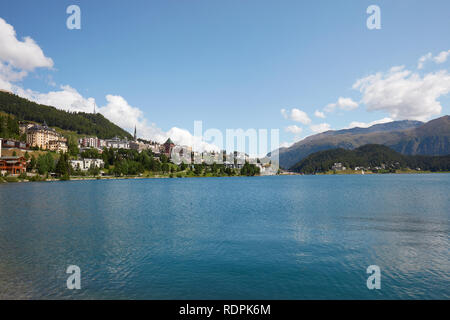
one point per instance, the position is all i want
(289, 237)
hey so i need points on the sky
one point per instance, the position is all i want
(302, 67)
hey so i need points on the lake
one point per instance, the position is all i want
(278, 237)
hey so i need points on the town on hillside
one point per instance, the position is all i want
(42, 153)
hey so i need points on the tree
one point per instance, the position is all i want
(72, 146)
(164, 158)
(91, 153)
(62, 166)
(32, 163)
(249, 170)
(94, 170)
(197, 169)
(45, 163)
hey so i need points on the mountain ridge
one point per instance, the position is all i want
(406, 136)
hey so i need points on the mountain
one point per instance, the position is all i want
(79, 122)
(407, 137)
(370, 156)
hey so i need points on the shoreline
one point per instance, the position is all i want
(17, 180)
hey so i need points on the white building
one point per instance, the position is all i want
(117, 143)
(338, 167)
(85, 164)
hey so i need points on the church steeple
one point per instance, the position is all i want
(135, 136)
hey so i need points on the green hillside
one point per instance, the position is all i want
(371, 155)
(78, 122)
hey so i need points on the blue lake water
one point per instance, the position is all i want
(283, 237)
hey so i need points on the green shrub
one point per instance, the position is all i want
(23, 176)
(35, 178)
(64, 177)
(11, 179)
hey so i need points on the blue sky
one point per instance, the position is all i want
(237, 64)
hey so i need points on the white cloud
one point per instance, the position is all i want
(442, 57)
(185, 138)
(293, 129)
(300, 116)
(296, 115)
(355, 124)
(318, 128)
(8, 73)
(25, 55)
(286, 144)
(404, 94)
(319, 114)
(423, 59)
(343, 103)
(67, 98)
(117, 110)
(6, 85)
(439, 58)
(121, 113)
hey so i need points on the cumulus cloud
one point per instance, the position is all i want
(183, 137)
(319, 114)
(67, 98)
(439, 58)
(293, 129)
(120, 112)
(342, 103)
(25, 55)
(318, 128)
(442, 57)
(296, 115)
(358, 124)
(404, 94)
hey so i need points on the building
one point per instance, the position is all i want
(90, 142)
(117, 143)
(156, 149)
(85, 164)
(24, 126)
(136, 145)
(167, 147)
(11, 143)
(57, 145)
(41, 136)
(13, 165)
(338, 167)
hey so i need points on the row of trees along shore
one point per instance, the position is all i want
(124, 162)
